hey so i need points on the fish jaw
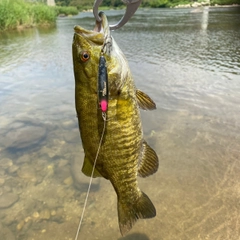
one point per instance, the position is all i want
(93, 37)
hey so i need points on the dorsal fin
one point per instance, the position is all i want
(87, 169)
(144, 101)
(148, 164)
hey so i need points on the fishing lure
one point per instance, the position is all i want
(102, 84)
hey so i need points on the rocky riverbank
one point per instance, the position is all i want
(40, 177)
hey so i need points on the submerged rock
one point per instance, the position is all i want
(13, 169)
(8, 199)
(45, 214)
(24, 159)
(20, 225)
(5, 163)
(59, 215)
(2, 181)
(6, 233)
(68, 181)
(27, 172)
(24, 137)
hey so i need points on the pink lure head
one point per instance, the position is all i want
(104, 105)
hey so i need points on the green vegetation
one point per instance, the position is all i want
(17, 13)
(225, 2)
(21, 14)
(71, 10)
(86, 4)
(79, 4)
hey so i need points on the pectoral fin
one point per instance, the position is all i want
(148, 164)
(144, 101)
(88, 167)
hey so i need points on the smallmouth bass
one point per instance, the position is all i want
(124, 154)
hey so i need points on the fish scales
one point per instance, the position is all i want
(123, 153)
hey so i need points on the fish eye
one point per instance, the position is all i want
(84, 56)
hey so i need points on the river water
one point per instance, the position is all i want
(188, 61)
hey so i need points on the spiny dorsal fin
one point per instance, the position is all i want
(148, 164)
(87, 169)
(144, 101)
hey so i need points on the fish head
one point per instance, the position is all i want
(85, 50)
(87, 47)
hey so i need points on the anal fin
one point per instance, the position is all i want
(88, 167)
(148, 164)
(144, 101)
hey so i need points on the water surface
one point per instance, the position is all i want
(188, 62)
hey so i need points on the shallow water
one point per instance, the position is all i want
(189, 63)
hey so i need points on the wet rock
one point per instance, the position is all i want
(45, 214)
(80, 181)
(12, 184)
(17, 125)
(27, 219)
(2, 216)
(36, 215)
(13, 169)
(76, 170)
(38, 179)
(50, 170)
(72, 136)
(20, 225)
(24, 137)
(59, 216)
(6, 233)
(27, 172)
(68, 181)
(27, 226)
(70, 124)
(8, 199)
(24, 159)
(40, 164)
(2, 172)
(2, 181)
(5, 163)
(53, 212)
(62, 163)
(51, 153)
(63, 172)
(7, 189)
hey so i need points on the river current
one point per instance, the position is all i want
(188, 61)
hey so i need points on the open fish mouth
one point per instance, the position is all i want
(100, 35)
(89, 35)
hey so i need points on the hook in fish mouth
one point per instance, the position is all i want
(100, 35)
(100, 27)
(132, 6)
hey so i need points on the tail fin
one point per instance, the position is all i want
(129, 214)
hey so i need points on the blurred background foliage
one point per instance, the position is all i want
(27, 13)
(86, 4)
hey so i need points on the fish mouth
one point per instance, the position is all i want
(95, 38)
(98, 35)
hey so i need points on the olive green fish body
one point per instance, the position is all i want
(123, 153)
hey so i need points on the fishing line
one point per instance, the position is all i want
(91, 178)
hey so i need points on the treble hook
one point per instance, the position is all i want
(132, 6)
